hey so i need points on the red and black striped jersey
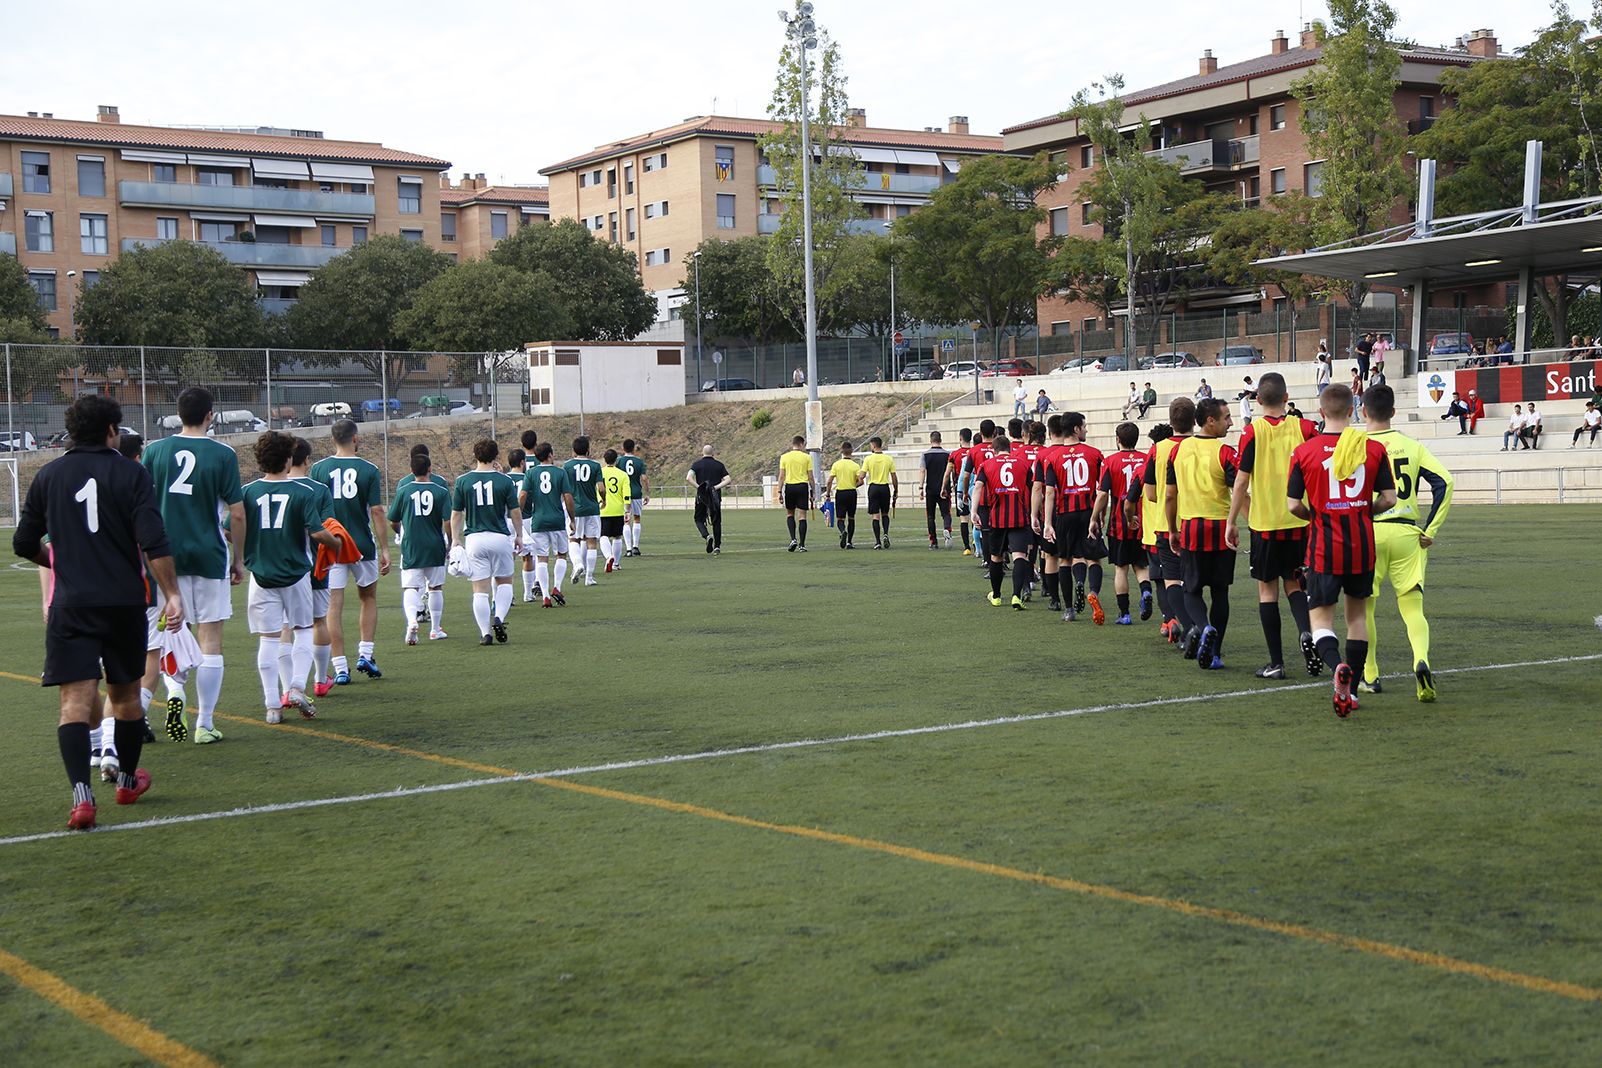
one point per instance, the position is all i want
(1006, 482)
(977, 456)
(958, 454)
(1075, 472)
(1121, 475)
(1340, 538)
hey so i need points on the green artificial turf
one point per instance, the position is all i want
(524, 923)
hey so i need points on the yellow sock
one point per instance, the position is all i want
(1371, 665)
(1411, 605)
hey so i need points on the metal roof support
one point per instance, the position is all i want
(1522, 326)
(1532, 181)
(1426, 198)
(1417, 333)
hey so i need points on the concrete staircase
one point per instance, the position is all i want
(1551, 474)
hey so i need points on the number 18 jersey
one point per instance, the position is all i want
(357, 486)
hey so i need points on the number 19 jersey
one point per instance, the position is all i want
(422, 509)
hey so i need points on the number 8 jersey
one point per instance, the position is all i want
(1340, 538)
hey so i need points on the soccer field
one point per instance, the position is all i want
(772, 808)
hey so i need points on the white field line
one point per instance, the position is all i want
(747, 750)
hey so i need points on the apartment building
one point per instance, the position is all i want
(660, 194)
(474, 215)
(279, 203)
(1235, 128)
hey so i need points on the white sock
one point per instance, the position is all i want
(301, 658)
(145, 697)
(481, 612)
(208, 685)
(636, 534)
(410, 606)
(364, 649)
(542, 573)
(287, 679)
(528, 584)
(436, 607)
(322, 656)
(589, 562)
(561, 571)
(94, 737)
(267, 668)
(340, 663)
(503, 599)
(575, 554)
(174, 684)
(628, 535)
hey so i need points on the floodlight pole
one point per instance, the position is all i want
(800, 30)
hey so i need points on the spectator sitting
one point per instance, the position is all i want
(1147, 399)
(1292, 411)
(1577, 350)
(1042, 403)
(1516, 424)
(1532, 426)
(1504, 347)
(1458, 410)
(1204, 391)
(1476, 411)
(1132, 400)
(1591, 422)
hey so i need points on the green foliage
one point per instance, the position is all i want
(739, 296)
(973, 253)
(761, 418)
(181, 293)
(354, 300)
(1285, 225)
(22, 320)
(595, 284)
(478, 307)
(1584, 317)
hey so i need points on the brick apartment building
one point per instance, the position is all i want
(1236, 129)
(660, 194)
(278, 203)
(474, 214)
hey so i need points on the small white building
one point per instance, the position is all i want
(570, 377)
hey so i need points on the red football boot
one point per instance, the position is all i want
(127, 796)
(82, 817)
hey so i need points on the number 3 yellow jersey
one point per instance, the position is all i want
(617, 491)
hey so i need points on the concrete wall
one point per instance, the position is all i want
(567, 378)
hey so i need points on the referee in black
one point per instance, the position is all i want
(99, 510)
(709, 477)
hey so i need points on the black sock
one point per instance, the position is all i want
(965, 543)
(1094, 572)
(1268, 613)
(1020, 576)
(1298, 603)
(885, 519)
(876, 532)
(73, 738)
(851, 528)
(1196, 609)
(997, 569)
(1218, 616)
(790, 522)
(1161, 592)
(1049, 582)
(1123, 603)
(802, 526)
(1145, 585)
(1329, 650)
(1176, 604)
(1356, 655)
(130, 736)
(1078, 573)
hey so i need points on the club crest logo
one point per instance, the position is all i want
(1436, 387)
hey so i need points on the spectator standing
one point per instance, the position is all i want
(799, 378)
(1515, 429)
(1356, 387)
(1590, 423)
(1147, 399)
(1020, 399)
(1365, 353)
(1246, 396)
(1382, 346)
(1321, 369)
(1203, 391)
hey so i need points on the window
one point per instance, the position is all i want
(1087, 156)
(1251, 125)
(611, 183)
(1084, 213)
(1276, 117)
(260, 182)
(90, 279)
(595, 177)
(36, 174)
(325, 187)
(358, 235)
(412, 235)
(272, 235)
(628, 178)
(214, 176)
(39, 231)
(1313, 179)
(656, 209)
(628, 224)
(44, 286)
(726, 211)
(163, 172)
(92, 234)
(1059, 221)
(218, 231)
(597, 222)
(903, 168)
(1090, 324)
(410, 192)
(447, 226)
(328, 232)
(91, 176)
(723, 163)
(658, 257)
(1061, 326)
(656, 162)
(584, 179)
(903, 210)
(1276, 180)
(611, 227)
(497, 225)
(1426, 107)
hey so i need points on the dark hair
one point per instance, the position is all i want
(1380, 402)
(934, 437)
(1160, 432)
(515, 457)
(1072, 421)
(1000, 443)
(273, 450)
(343, 431)
(194, 405)
(1054, 425)
(987, 428)
(1037, 433)
(421, 465)
(302, 452)
(845, 446)
(965, 434)
(795, 442)
(92, 418)
(131, 444)
(542, 452)
(530, 439)
(581, 445)
(485, 450)
(628, 444)
(876, 442)
(1210, 408)
(420, 449)
(1182, 415)
(1128, 435)
(1271, 389)
(610, 456)
(1336, 400)
(1015, 428)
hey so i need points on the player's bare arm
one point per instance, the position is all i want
(1298, 508)
(236, 541)
(165, 573)
(378, 517)
(1098, 512)
(517, 528)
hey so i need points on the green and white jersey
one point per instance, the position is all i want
(634, 467)
(325, 504)
(584, 476)
(438, 480)
(486, 500)
(357, 486)
(196, 480)
(422, 509)
(544, 485)
(280, 516)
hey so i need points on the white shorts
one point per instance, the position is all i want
(206, 600)
(489, 555)
(153, 628)
(320, 603)
(271, 610)
(586, 526)
(550, 543)
(528, 530)
(634, 507)
(365, 572)
(420, 578)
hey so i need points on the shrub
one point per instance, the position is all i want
(761, 418)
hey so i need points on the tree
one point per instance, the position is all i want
(833, 176)
(1243, 237)
(22, 320)
(739, 296)
(1550, 92)
(354, 300)
(1349, 118)
(478, 307)
(973, 253)
(596, 284)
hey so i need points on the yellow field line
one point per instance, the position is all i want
(135, 1034)
(368, 743)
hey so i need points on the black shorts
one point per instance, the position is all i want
(845, 502)
(612, 526)
(1168, 566)
(1203, 568)
(79, 640)
(983, 512)
(1003, 540)
(1069, 532)
(1274, 559)
(1324, 589)
(797, 496)
(1126, 552)
(879, 500)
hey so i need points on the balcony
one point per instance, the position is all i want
(243, 198)
(766, 224)
(1244, 151)
(769, 224)
(870, 181)
(5, 183)
(274, 305)
(1418, 126)
(1196, 156)
(256, 253)
(8, 243)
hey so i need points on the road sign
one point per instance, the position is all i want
(717, 357)
(901, 348)
(900, 338)
(948, 345)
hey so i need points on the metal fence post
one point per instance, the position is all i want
(1560, 485)
(267, 365)
(11, 427)
(144, 397)
(383, 390)
(494, 407)
(1498, 485)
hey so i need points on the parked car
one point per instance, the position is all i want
(1009, 368)
(1452, 343)
(1236, 354)
(238, 421)
(1078, 365)
(1167, 361)
(964, 369)
(1116, 362)
(726, 385)
(59, 440)
(18, 441)
(921, 371)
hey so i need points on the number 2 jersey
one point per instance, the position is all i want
(1004, 484)
(196, 480)
(1340, 538)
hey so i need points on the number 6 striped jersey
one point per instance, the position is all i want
(1006, 481)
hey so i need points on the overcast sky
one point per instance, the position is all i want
(509, 87)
